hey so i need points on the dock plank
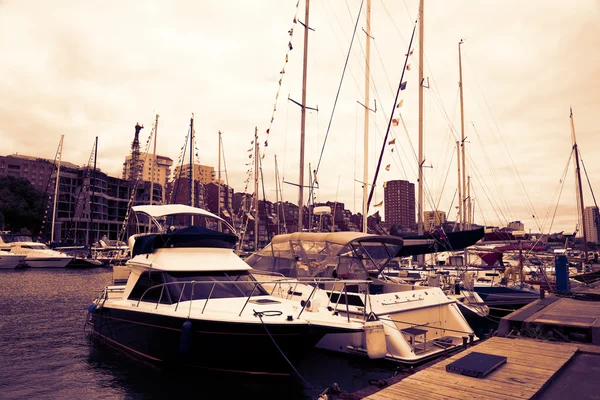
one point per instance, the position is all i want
(529, 367)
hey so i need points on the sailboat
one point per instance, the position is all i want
(407, 317)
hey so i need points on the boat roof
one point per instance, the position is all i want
(332, 237)
(191, 259)
(164, 210)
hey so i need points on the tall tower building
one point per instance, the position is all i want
(202, 173)
(591, 219)
(399, 197)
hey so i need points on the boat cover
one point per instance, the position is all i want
(193, 236)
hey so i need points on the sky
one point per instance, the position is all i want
(87, 69)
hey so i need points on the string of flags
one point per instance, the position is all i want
(290, 48)
(396, 119)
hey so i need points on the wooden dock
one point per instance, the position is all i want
(529, 367)
(573, 317)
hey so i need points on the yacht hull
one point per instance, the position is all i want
(11, 261)
(48, 262)
(220, 346)
(505, 296)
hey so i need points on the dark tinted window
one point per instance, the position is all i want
(145, 287)
(222, 284)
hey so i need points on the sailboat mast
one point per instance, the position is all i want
(192, 165)
(469, 204)
(459, 217)
(277, 202)
(256, 222)
(219, 180)
(366, 129)
(154, 163)
(580, 190)
(421, 67)
(462, 134)
(92, 183)
(303, 119)
(56, 186)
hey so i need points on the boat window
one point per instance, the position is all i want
(349, 268)
(146, 281)
(375, 255)
(284, 266)
(180, 284)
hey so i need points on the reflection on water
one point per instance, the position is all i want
(45, 353)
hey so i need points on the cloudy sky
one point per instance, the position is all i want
(87, 69)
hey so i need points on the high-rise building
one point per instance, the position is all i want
(433, 219)
(158, 171)
(202, 173)
(399, 197)
(36, 170)
(591, 219)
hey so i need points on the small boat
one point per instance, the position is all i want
(11, 261)
(38, 255)
(419, 322)
(190, 301)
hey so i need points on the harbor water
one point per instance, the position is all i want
(47, 353)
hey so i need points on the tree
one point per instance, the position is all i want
(20, 205)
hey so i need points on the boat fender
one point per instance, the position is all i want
(92, 308)
(186, 337)
(375, 339)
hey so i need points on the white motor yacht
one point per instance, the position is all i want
(38, 255)
(419, 322)
(190, 300)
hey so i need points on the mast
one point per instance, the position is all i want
(256, 222)
(580, 190)
(459, 217)
(420, 186)
(469, 205)
(153, 162)
(277, 203)
(56, 185)
(420, 258)
(303, 119)
(366, 129)
(219, 180)
(192, 165)
(462, 134)
(92, 184)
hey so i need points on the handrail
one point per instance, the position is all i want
(193, 283)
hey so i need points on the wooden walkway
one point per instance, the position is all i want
(565, 318)
(529, 367)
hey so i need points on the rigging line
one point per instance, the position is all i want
(340, 86)
(560, 192)
(492, 171)
(487, 194)
(445, 180)
(262, 180)
(391, 117)
(588, 178)
(515, 169)
(340, 44)
(556, 195)
(225, 167)
(478, 205)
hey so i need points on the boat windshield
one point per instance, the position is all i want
(171, 287)
(36, 246)
(354, 260)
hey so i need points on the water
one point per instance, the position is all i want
(46, 354)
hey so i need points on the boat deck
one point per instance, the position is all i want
(529, 367)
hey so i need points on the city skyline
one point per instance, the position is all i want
(68, 74)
